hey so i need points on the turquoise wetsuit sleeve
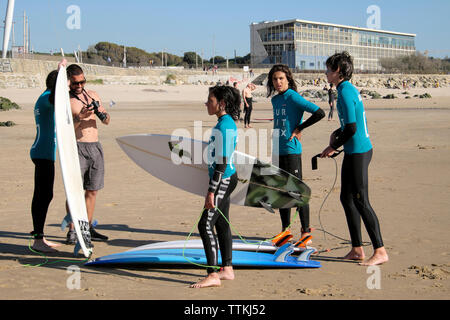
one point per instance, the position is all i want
(348, 103)
(303, 104)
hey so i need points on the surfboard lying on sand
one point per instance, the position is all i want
(158, 257)
(70, 165)
(238, 245)
(180, 161)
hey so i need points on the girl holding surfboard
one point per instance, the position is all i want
(223, 102)
(43, 153)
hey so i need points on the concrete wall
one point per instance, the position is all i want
(27, 73)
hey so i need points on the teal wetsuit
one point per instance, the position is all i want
(351, 110)
(288, 110)
(222, 145)
(354, 174)
(42, 154)
(223, 181)
(44, 146)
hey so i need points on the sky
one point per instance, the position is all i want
(212, 27)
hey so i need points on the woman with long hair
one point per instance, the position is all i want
(288, 110)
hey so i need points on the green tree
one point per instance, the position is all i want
(191, 58)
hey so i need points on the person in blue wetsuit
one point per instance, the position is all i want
(354, 136)
(42, 153)
(223, 102)
(288, 110)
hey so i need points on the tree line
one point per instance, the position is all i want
(106, 53)
(416, 64)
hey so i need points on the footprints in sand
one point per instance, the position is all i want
(324, 291)
(423, 147)
(433, 272)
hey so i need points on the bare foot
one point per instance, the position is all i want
(226, 273)
(380, 256)
(51, 244)
(211, 280)
(355, 254)
(41, 246)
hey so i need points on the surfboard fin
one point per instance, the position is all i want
(267, 206)
(76, 249)
(287, 249)
(305, 255)
(283, 252)
(295, 195)
(67, 219)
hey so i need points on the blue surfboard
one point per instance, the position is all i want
(281, 259)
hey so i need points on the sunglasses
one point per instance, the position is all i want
(77, 83)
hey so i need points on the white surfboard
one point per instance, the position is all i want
(70, 165)
(239, 245)
(182, 162)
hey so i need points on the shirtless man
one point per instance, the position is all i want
(86, 108)
(248, 103)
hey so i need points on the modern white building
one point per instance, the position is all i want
(306, 45)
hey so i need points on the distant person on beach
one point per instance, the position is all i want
(223, 102)
(354, 136)
(248, 103)
(42, 154)
(235, 86)
(331, 101)
(288, 110)
(86, 108)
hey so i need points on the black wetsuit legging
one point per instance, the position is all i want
(292, 163)
(213, 218)
(248, 110)
(355, 198)
(44, 176)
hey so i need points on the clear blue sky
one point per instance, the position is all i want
(182, 25)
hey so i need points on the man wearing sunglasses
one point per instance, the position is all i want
(86, 110)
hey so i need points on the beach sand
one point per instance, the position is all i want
(409, 190)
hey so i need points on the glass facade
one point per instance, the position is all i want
(306, 45)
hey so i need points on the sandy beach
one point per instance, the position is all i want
(409, 191)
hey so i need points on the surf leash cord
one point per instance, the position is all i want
(232, 229)
(44, 256)
(315, 167)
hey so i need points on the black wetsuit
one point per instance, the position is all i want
(355, 198)
(289, 108)
(292, 163)
(331, 98)
(213, 218)
(222, 182)
(44, 176)
(248, 110)
(43, 153)
(354, 136)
